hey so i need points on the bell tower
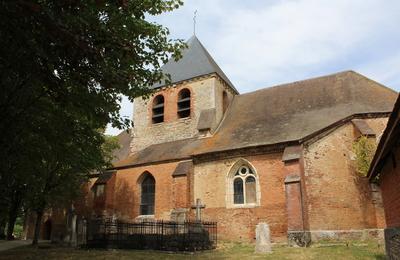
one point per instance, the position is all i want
(191, 106)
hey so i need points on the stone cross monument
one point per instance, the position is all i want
(198, 208)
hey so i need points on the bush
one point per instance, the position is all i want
(364, 148)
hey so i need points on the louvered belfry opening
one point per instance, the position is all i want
(158, 109)
(184, 103)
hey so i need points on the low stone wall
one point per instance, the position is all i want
(341, 235)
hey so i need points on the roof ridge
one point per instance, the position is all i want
(373, 81)
(312, 79)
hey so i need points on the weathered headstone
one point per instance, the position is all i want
(179, 215)
(263, 238)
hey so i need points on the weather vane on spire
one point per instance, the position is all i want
(194, 22)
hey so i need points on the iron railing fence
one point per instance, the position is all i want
(151, 234)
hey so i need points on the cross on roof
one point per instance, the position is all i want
(198, 206)
(194, 22)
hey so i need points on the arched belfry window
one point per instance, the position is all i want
(243, 187)
(158, 109)
(184, 103)
(147, 198)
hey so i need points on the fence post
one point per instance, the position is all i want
(162, 234)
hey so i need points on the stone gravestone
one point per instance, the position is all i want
(179, 215)
(263, 238)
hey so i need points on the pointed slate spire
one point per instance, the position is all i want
(195, 62)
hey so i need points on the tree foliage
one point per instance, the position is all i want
(364, 148)
(64, 66)
(110, 144)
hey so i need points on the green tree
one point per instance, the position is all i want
(64, 158)
(73, 59)
(82, 54)
(110, 144)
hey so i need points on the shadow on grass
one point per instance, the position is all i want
(380, 257)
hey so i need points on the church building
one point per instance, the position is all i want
(281, 155)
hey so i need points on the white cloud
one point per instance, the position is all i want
(125, 111)
(282, 42)
(263, 43)
(385, 70)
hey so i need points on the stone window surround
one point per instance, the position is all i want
(229, 185)
(139, 181)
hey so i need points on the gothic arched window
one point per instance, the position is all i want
(184, 103)
(242, 185)
(148, 191)
(158, 109)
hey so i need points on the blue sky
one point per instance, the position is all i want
(268, 42)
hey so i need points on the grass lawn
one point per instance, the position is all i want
(354, 250)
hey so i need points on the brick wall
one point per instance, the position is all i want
(206, 93)
(170, 192)
(390, 186)
(338, 198)
(210, 180)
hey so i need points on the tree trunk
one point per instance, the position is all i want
(13, 213)
(3, 223)
(38, 223)
(12, 217)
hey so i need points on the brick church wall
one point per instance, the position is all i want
(389, 183)
(338, 198)
(210, 180)
(170, 193)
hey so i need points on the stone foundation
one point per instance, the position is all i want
(340, 235)
(304, 238)
(392, 242)
(299, 238)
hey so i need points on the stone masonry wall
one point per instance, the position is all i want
(204, 95)
(238, 223)
(220, 87)
(338, 198)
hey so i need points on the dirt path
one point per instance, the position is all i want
(6, 245)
